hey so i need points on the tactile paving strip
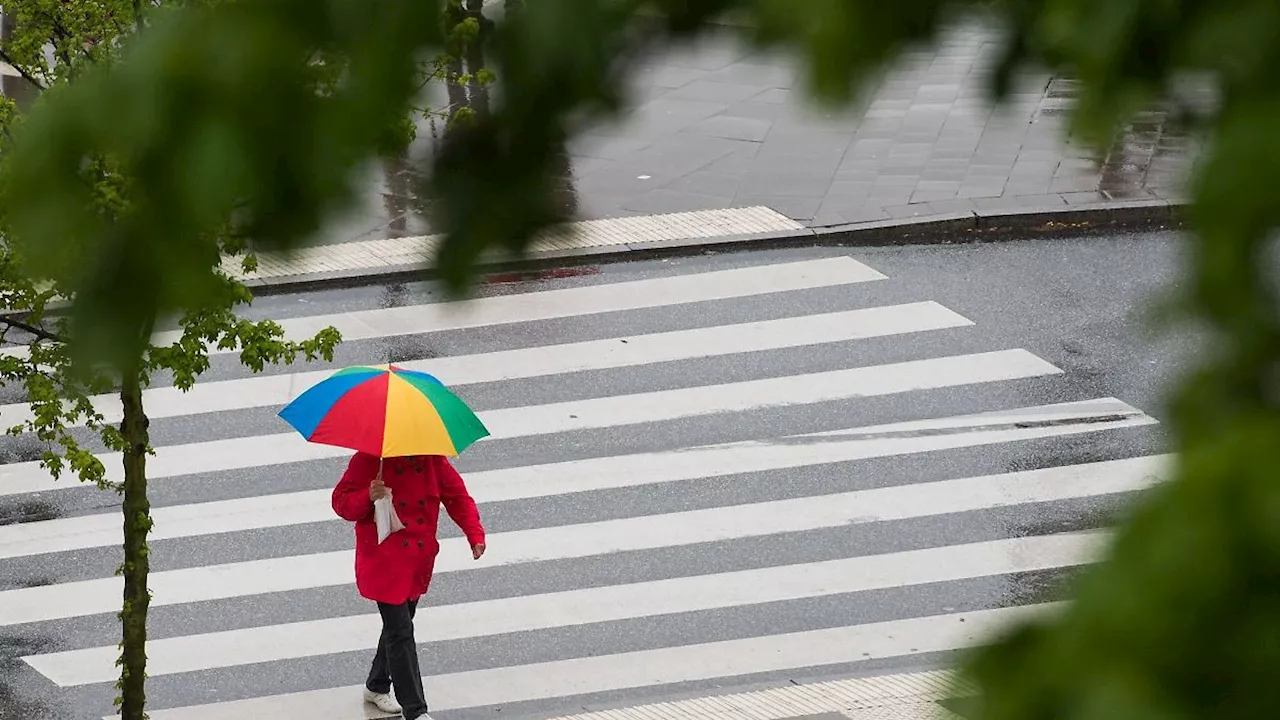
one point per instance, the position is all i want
(407, 251)
(888, 697)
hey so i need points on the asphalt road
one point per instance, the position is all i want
(1062, 316)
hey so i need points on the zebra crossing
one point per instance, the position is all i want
(697, 477)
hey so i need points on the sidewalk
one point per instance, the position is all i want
(722, 147)
(888, 697)
(713, 127)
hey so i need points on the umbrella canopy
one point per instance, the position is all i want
(385, 411)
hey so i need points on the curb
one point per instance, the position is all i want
(941, 229)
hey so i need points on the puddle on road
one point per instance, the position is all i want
(27, 509)
(36, 582)
(14, 704)
(394, 295)
(1066, 450)
(1038, 587)
(406, 350)
(11, 706)
(1099, 514)
(533, 276)
(997, 424)
(20, 448)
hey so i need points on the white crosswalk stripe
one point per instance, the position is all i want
(278, 390)
(601, 604)
(853, 481)
(648, 532)
(669, 665)
(516, 483)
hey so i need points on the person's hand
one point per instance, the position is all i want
(378, 489)
(477, 550)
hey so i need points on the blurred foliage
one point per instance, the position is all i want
(1183, 619)
(55, 46)
(215, 114)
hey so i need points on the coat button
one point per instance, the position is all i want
(420, 543)
(406, 543)
(402, 503)
(422, 501)
(399, 469)
(421, 521)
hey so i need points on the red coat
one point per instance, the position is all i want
(400, 568)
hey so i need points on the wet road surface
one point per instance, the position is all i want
(792, 483)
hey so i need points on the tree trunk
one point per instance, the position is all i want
(137, 523)
(457, 92)
(479, 94)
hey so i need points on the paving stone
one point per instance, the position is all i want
(827, 218)
(668, 76)
(756, 110)
(938, 185)
(989, 188)
(911, 164)
(756, 73)
(862, 207)
(944, 174)
(705, 182)
(905, 181)
(1083, 198)
(941, 163)
(1016, 187)
(952, 206)
(789, 184)
(910, 210)
(1001, 204)
(847, 174)
(608, 147)
(795, 207)
(732, 128)
(867, 213)
(943, 151)
(664, 200)
(719, 92)
(1073, 184)
(1125, 191)
(774, 95)
(1175, 194)
(888, 196)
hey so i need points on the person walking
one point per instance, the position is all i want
(396, 573)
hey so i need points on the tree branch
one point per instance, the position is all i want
(32, 329)
(4, 55)
(61, 31)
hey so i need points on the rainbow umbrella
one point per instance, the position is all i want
(385, 411)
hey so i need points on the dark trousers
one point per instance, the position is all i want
(396, 661)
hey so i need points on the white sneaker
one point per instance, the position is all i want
(382, 701)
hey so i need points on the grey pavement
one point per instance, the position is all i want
(717, 126)
(1072, 303)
